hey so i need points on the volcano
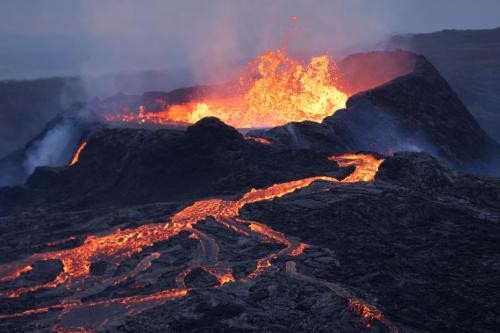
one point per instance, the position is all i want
(417, 111)
(354, 196)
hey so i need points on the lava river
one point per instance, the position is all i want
(75, 284)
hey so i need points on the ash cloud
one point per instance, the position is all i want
(212, 37)
(129, 36)
(206, 36)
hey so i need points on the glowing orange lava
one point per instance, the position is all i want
(15, 273)
(75, 158)
(299, 250)
(264, 141)
(274, 91)
(119, 245)
(367, 312)
(366, 166)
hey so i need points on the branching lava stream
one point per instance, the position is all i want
(75, 283)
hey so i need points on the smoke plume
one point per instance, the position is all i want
(53, 148)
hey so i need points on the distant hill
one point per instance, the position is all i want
(470, 61)
(26, 106)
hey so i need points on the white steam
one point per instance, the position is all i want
(53, 148)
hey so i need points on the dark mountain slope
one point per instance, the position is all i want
(418, 111)
(470, 62)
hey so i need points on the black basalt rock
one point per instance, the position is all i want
(123, 165)
(210, 131)
(415, 170)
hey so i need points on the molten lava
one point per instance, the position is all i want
(264, 141)
(75, 158)
(75, 282)
(367, 312)
(274, 91)
(366, 166)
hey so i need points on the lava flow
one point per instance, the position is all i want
(274, 90)
(75, 158)
(75, 284)
(366, 166)
(264, 141)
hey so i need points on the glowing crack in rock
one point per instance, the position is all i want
(75, 158)
(264, 141)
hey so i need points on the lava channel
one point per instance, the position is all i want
(75, 284)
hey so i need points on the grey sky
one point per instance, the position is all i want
(57, 37)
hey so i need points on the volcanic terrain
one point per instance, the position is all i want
(362, 207)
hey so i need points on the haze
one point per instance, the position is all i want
(60, 37)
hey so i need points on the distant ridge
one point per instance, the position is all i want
(470, 62)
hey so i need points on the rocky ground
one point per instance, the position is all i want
(128, 166)
(418, 247)
(163, 230)
(420, 240)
